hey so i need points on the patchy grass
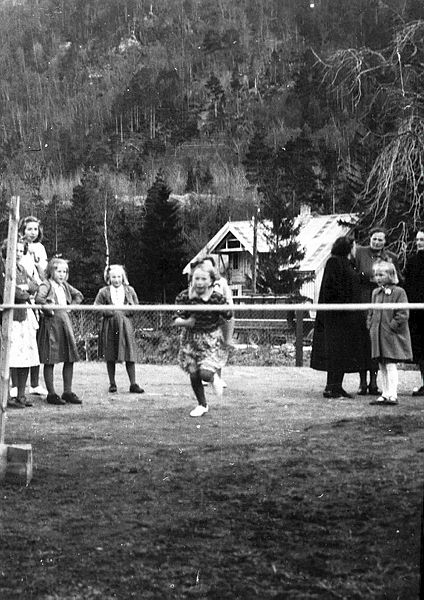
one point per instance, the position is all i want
(275, 494)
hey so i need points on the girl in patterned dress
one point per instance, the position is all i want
(35, 263)
(23, 339)
(203, 346)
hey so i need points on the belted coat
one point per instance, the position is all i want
(389, 331)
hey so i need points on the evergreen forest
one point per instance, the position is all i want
(125, 123)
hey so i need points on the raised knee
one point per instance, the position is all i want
(206, 375)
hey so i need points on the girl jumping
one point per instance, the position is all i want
(203, 346)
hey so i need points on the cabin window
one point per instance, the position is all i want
(235, 261)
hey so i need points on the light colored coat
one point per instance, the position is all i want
(389, 331)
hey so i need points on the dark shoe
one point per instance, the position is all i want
(26, 401)
(345, 394)
(341, 393)
(363, 391)
(418, 391)
(15, 403)
(113, 388)
(374, 391)
(327, 394)
(136, 389)
(71, 398)
(55, 399)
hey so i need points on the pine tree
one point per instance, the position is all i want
(85, 245)
(163, 252)
(278, 271)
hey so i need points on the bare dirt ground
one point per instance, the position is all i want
(277, 493)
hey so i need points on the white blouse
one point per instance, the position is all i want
(117, 295)
(59, 290)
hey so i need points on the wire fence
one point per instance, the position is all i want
(263, 334)
(157, 339)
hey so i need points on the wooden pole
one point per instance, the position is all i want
(299, 338)
(15, 460)
(7, 316)
(255, 250)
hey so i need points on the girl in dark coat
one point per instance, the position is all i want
(414, 288)
(56, 340)
(340, 337)
(117, 341)
(389, 332)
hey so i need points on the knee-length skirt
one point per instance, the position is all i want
(117, 341)
(56, 339)
(204, 350)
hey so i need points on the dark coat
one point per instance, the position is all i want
(21, 296)
(365, 259)
(341, 340)
(117, 341)
(414, 288)
(56, 339)
(389, 329)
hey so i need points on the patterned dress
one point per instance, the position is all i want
(203, 345)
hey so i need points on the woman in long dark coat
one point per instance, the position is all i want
(414, 288)
(341, 340)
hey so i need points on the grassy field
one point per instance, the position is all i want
(277, 493)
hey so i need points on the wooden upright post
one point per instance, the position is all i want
(7, 316)
(16, 460)
(299, 338)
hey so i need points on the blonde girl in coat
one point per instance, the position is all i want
(389, 331)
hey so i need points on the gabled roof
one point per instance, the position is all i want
(316, 236)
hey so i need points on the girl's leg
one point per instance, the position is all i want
(392, 380)
(198, 389)
(22, 376)
(134, 387)
(110, 366)
(214, 378)
(49, 378)
(67, 375)
(130, 367)
(14, 377)
(34, 376)
(384, 381)
(52, 397)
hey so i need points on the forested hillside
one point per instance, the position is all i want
(118, 90)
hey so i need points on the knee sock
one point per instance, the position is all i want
(67, 375)
(49, 378)
(392, 379)
(35, 376)
(130, 367)
(14, 377)
(384, 380)
(110, 366)
(22, 376)
(198, 389)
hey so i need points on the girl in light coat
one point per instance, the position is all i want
(389, 331)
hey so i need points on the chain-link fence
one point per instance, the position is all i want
(257, 334)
